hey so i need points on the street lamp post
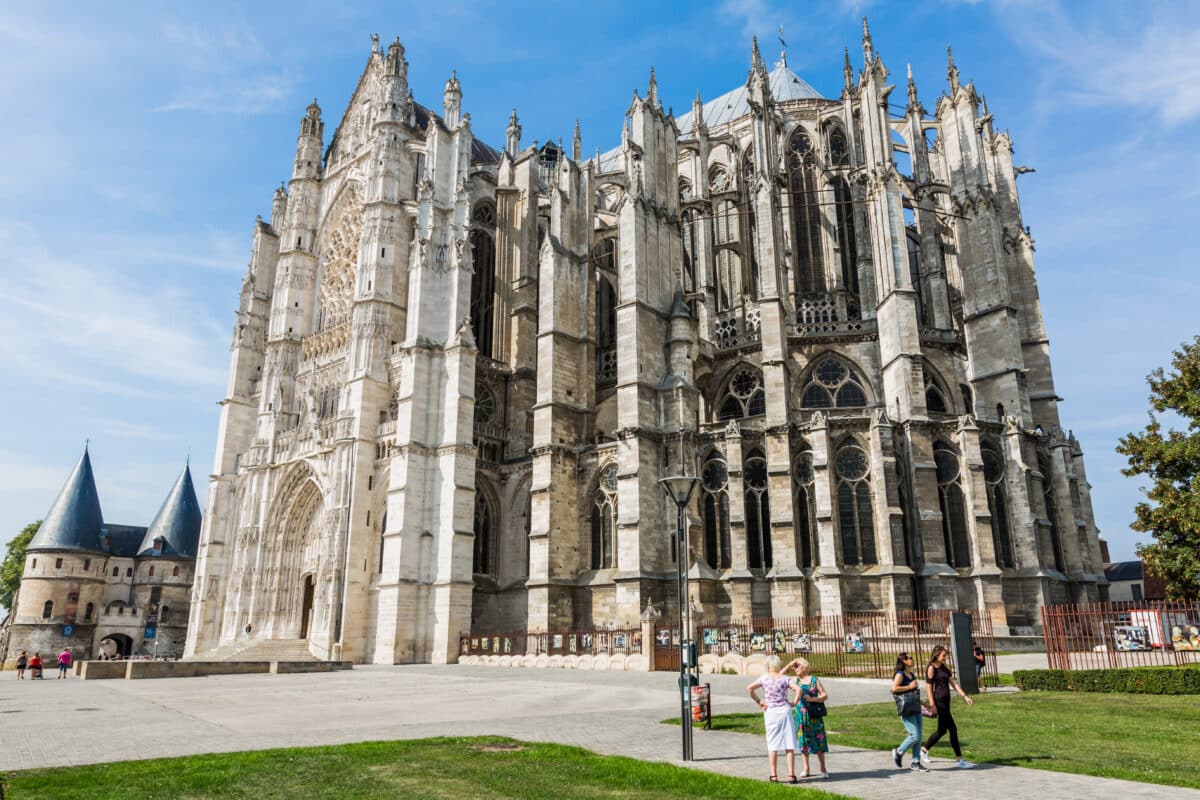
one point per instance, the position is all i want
(680, 488)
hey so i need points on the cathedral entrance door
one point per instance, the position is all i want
(307, 609)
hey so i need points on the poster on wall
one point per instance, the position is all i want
(710, 637)
(1185, 638)
(801, 643)
(758, 642)
(1131, 637)
(780, 641)
(854, 643)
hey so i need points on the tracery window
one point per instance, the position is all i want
(803, 181)
(935, 398)
(483, 283)
(744, 396)
(847, 243)
(485, 405)
(953, 506)
(685, 190)
(758, 509)
(855, 518)
(718, 180)
(748, 171)
(804, 508)
(729, 269)
(484, 558)
(484, 215)
(832, 384)
(993, 477)
(339, 265)
(604, 519)
(908, 515)
(839, 151)
(726, 229)
(714, 510)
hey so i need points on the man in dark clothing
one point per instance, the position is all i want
(980, 663)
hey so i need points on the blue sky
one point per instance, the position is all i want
(142, 139)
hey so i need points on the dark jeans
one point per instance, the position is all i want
(945, 721)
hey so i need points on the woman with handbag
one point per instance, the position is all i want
(776, 703)
(810, 714)
(939, 680)
(907, 693)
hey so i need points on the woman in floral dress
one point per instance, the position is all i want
(810, 730)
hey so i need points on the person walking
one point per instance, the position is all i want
(64, 662)
(980, 664)
(939, 680)
(22, 662)
(35, 667)
(906, 690)
(809, 714)
(776, 704)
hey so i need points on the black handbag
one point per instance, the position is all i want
(815, 710)
(908, 703)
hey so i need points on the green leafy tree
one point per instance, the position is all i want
(14, 563)
(1170, 459)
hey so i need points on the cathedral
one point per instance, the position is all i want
(458, 372)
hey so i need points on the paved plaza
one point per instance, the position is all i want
(81, 722)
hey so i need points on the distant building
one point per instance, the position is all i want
(106, 589)
(1128, 580)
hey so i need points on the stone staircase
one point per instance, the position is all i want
(260, 650)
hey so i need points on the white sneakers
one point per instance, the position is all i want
(964, 764)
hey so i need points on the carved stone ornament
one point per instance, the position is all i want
(650, 613)
(465, 337)
(733, 430)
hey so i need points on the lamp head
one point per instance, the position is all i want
(680, 487)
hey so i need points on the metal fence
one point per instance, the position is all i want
(1126, 634)
(856, 646)
(611, 641)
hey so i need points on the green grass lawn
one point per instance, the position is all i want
(1147, 738)
(440, 769)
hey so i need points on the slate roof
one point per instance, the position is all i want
(177, 522)
(1124, 571)
(123, 540)
(74, 520)
(482, 153)
(785, 85)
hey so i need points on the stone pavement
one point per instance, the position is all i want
(55, 723)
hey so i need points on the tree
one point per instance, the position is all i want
(1170, 459)
(14, 564)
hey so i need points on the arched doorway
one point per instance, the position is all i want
(116, 645)
(306, 608)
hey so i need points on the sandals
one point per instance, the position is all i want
(773, 779)
(792, 779)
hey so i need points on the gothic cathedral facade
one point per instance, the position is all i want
(458, 373)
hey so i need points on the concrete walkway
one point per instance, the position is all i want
(57, 723)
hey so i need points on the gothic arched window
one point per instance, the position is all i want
(1055, 530)
(856, 521)
(728, 278)
(832, 384)
(908, 515)
(726, 229)
(691, 234)
(718, 180)
(993, 477)
(936, 400)
(758, 509)
(847, 244)
(714, 509)
(685, 190)
(744, 396)
(483, 290)
(808, 257)
(839, 151)
(604, 519)
(484, 558)
(804, 508)
(953, 506)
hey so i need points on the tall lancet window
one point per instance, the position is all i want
(758, 509)
(728, 262)
(953, 505)
(856, 521)
(483, 283)
(714, 508)
(1055, 529)
(993, 476)
(803, 182)
(691, 234)
(604, 519)
(751, 278)
(804, 507)
(846, 240)
(483, 561)
(916, 274)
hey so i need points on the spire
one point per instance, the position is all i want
(577, 143)
(513, 134)
(847, 71)
(279, 207)
(75, 521)
(913, 102)
(697, 113)
(311, 125)
(951, 70)
(756, 62)
(652, 89)
(175, 530)
(868, 47)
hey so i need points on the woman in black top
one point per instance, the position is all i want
(939, 679)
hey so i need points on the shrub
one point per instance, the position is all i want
(1133, 680)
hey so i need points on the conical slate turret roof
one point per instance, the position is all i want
(74, 521)
(177, 523)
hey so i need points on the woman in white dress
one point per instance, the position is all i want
(776, 703)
